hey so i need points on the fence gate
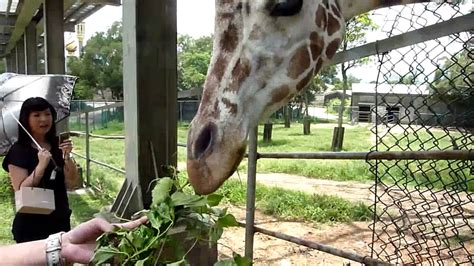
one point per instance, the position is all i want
(424, 209)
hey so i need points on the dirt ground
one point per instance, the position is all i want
(353, 237)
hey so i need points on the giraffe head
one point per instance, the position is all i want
(265, 52)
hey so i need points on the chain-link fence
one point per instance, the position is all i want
(105, 117)
(424, 209)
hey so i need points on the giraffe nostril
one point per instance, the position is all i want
(205, 140)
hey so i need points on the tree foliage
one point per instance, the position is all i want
(194, 56)
(455, 78)
(99, 67)
(356, 30)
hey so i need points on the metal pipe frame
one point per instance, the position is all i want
(318, 246)
(251, 188)
(100, 163)
(376, 155)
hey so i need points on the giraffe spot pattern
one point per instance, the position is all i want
(280, 94)
(304, 81)
(319, 64)
(217, 111)
(332, 48)
(317, 45)
(333, 25)
(247, 8)
(209, 86)
(240, 72)
(321, 17)
(231, 106)
(219, 67)
(299, 62)
(230, 39)
(336, 11)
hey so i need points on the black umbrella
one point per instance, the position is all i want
(14, 89)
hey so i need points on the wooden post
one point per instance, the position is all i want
(88, 155)
(267, 131)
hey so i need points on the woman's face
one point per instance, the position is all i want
(40, 122)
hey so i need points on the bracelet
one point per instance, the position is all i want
(53, 249)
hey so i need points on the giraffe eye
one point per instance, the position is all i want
(285, 8)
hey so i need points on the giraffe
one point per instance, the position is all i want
(265, 52)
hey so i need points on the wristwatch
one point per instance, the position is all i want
(53, 249)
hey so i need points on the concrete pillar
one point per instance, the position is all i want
(9, 63)
(14, 60)
(31, 49)
(54, 36)
(21, 56)
(149, 67)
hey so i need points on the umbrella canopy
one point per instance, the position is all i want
(14, 89)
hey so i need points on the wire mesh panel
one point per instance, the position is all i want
(424, 100)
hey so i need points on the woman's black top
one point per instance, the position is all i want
(29, 227)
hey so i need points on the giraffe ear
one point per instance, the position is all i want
(285, 8)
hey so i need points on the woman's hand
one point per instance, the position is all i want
(66, 147)
(44, 156)
(78, 244)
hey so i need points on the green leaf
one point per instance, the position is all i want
(155, 221)
(227, 220)
(141, 262)
(162, 190)
(214, 199)
(103, 254)
(180, 198)
(241, 261)
(215, 233)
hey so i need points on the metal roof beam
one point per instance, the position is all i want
(28, 10)
(446, 28)
(4, 38)
(103, 2)
(7, 21)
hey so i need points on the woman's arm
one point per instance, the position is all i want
(70, 173)
(70, 170)
(28, 253)
(20, 177)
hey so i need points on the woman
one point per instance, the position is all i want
(30, 166)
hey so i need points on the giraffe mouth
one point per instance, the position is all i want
(212, 158)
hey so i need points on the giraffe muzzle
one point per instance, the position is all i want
(204, 140)
(212, 158)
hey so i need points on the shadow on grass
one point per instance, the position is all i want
(84, 206)
(273, 143)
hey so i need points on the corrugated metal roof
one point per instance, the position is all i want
(21, 12)
(389, 88)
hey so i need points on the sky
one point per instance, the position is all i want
(189, 21)
(201, 23)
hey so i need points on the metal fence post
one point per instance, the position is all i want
(88, 157)
(251, 184)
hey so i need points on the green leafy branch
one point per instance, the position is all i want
(177, 222)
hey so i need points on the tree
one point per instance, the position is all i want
(454, 80)
(194, 56)
(328, 75)
(99, 67)
(356, 29)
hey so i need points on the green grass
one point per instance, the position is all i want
(294, 205)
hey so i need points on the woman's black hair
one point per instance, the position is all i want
(35, 104)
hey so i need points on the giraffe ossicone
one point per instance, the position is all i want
(265, 52)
